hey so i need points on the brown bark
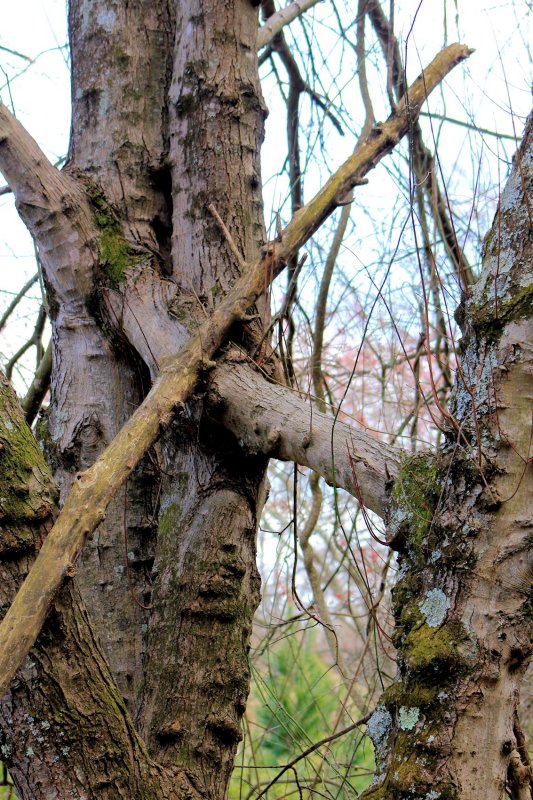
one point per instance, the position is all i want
(65, 728)
(97, 486)
(206, 585)
(121, 67)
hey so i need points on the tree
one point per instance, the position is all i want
(157, 272)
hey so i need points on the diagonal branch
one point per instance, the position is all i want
(277, 21)
(38, 387)
(24, 165)
(86, 504)
(268, 418)
(54, 208)
(28, 507)
(382, 140)
(16, 300)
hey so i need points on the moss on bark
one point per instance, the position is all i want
(116, 254)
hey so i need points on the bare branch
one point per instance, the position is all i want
(16, 300)
(16, 53)
(39, 386)
(268, 418)
(311, 749)
(382, 140)
(23, 163)
(86, 504)
(272, 419)
(42, 194)
(277, 21)
(361, 69)
(471, 126)
(34, 340)
(229, 238)
(424, 160)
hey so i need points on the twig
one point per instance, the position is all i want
(35, 339)
(228, 237)
(471, 126)
(16, 53)
(312, 749)
(38, 387)
(16, 300)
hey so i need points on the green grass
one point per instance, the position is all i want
(294, 703)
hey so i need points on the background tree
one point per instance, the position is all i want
(157, 272)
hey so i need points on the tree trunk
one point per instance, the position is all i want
(66, 731)
(461, 521)
(165, 161)
(164, 110)
(155, 224)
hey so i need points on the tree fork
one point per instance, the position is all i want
(85, 506)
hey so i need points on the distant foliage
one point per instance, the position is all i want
(294, 704)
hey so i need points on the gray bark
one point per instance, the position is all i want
(133, 261)
(461, 521)
(266, 418)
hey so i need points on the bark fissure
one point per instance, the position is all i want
(63, 707)
(97, 486)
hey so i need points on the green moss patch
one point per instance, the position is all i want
(116, 255)
(414, 497)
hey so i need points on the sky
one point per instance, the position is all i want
(492, 90)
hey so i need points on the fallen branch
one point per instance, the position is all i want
(94, 489)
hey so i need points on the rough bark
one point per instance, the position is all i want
(97, 486)
(462, 521)
(65, 728)
(121, 67)
(160, 134)
(91, 385)
(206, 585)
